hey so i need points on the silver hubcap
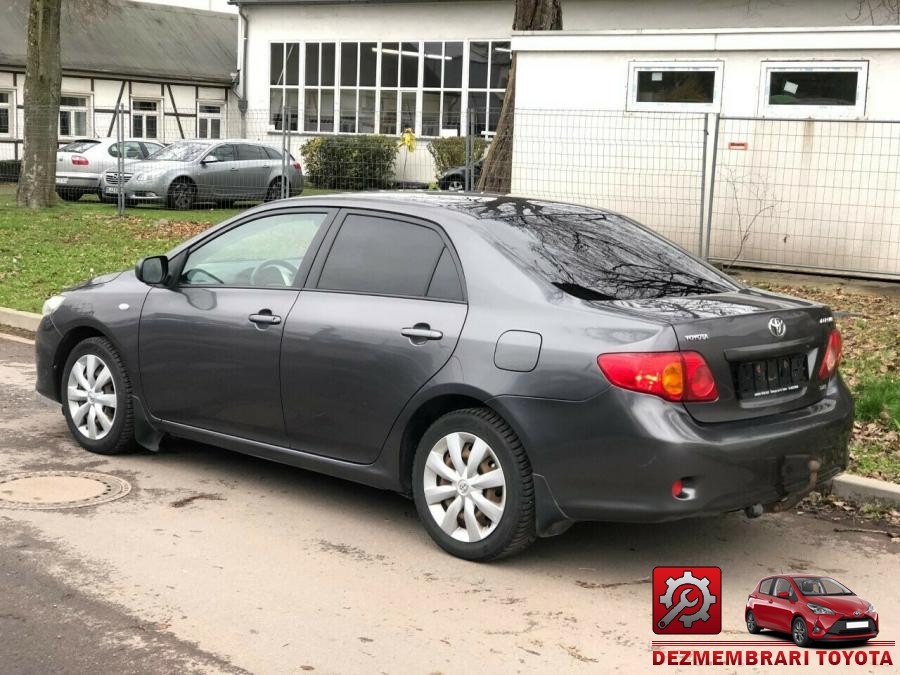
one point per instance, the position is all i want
(465, 488)
(799, 632)
(91, 395)
(751, 622)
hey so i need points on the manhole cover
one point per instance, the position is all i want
(59, 489)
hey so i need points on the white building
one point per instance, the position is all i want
(170, 67)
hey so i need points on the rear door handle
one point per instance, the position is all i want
(264, 318)
(234, 168)
(421, 332)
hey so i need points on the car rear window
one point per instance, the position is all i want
(271, 152)
(79, 146)
(592, 254)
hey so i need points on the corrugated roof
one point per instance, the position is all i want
(132, 38)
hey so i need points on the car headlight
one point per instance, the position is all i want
(818, 609)
(52, 304)
(871, 609)
(148, 175)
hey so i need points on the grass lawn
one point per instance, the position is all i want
(44, 251)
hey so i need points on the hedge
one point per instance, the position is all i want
(350, 162)
(451, 151)
(9, 170)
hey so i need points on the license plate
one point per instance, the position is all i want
(857, 624)
(112, 190)
(755, 379)
(61, 180)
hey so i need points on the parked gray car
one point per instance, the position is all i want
(81, 163)
(222, 171)
(514, 365)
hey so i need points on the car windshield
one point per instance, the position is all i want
(592, 254)
(821, 586)
(180, 152)
(79, 146)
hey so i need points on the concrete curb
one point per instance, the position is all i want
(17, 319)
(861, 489)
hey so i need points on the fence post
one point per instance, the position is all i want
(120, 161)
(712, 185)
(470, 150)
(700, 222)
(285, 150)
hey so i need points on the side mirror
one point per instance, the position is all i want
(783, 594)
(152, 269)
(209, 159)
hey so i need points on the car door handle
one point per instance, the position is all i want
(264, 318)
(421, 331)
(234, 168)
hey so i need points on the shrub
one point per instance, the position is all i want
(9, 170)
(451, 151)
(350, 162)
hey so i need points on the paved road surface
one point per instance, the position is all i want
(270, 569)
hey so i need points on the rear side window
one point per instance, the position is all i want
(445, 283)
(382, 256)
(766, 587)
(251, 152)
(272, 153)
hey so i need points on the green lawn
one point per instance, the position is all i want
(45, 250)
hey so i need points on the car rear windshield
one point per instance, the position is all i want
(181, 152)
(595, 255)
(79, 146)
(821, 586)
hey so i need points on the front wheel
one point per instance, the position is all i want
(182, 195)
(473, 487)
(96, 395)
(800, 633)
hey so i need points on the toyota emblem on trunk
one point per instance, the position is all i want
(777, 327)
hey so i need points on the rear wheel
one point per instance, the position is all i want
(182, 194)
(69, 194)
(800, 633)
(752, 626)
(473, 487)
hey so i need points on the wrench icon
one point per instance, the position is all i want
(680, 605)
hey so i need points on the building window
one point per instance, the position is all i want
(284, 78)
(318, 80)
(209, 120)
(675, 86)
(442, 68)
(73, 116)
(6, 108)
(488, 75)
(810, 89)
(359, 76)
(145, 119)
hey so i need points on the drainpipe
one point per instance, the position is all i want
(242, 100)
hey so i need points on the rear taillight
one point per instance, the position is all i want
(296, 166)
(78, 160)
(674, 376)
(832, 358)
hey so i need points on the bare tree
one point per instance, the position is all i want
(43, 78)
(497, 170)
(759, 200)
(877, 12)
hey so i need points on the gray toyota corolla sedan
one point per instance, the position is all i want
(514, 365)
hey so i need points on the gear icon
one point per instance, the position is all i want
(688, 579)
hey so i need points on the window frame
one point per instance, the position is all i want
(822, 112)
(487, 91)
(312, 281)
(10, 106)
(208, 116)
(636, 67)
(71, 109)
(159, 114)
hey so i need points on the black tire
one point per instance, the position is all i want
(120, 436)
(752, 626)
(800, 632)
(274, 190)
(182, 194)
(515, 530)
(69, 194)
(453, 183)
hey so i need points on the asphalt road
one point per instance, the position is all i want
(217, 562)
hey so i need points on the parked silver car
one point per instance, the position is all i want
(81, 163)
(223, 172)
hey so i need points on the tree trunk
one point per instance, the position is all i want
(43, 78)
(497, 171)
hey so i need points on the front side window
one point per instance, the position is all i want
(209, 120)
(382, 256)
(5, 116)
(73, 116)
(675, 86)
(224, 153)
(264, 253)
(814, 89)
(145, 119)
(782, 585)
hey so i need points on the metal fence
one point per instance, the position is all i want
(789, 194)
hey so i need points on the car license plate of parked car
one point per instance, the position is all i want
(112, 190)
(62, 180)
(771, 376)
(857, 624)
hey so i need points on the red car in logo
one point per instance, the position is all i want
(811, 608)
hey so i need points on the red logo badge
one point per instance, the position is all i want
(687, 600)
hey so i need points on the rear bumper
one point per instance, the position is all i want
(80, 181)
(616, 456)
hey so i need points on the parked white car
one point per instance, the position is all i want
(80, 164)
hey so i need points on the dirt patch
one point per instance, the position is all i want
(181, 503)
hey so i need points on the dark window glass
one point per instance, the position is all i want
(368, 62)
(73, 101)
(407, 110)
(766, 587)
(312, 64)
(292, 68)
(247, 152)
(224, 153)
(326, 117)
(500, 60)
(348, 63)
(431, 113)
(4, 97)
(478, 61)
(348, 110)
(366, 114)
(276, 63)
(445, 283)
(151, 127)
(813, 88)
(380, 255)
(272, 153)
(478, 108)
(452, 107)
(328, 64)
(409, 64)
(388, 112)
(453, 64)
(390, 60)
(592, 254)
(145, 105)
(495, 102)
(676, 86)
(4, 120)
(433, 62)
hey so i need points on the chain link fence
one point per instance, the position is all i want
(789, 194)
